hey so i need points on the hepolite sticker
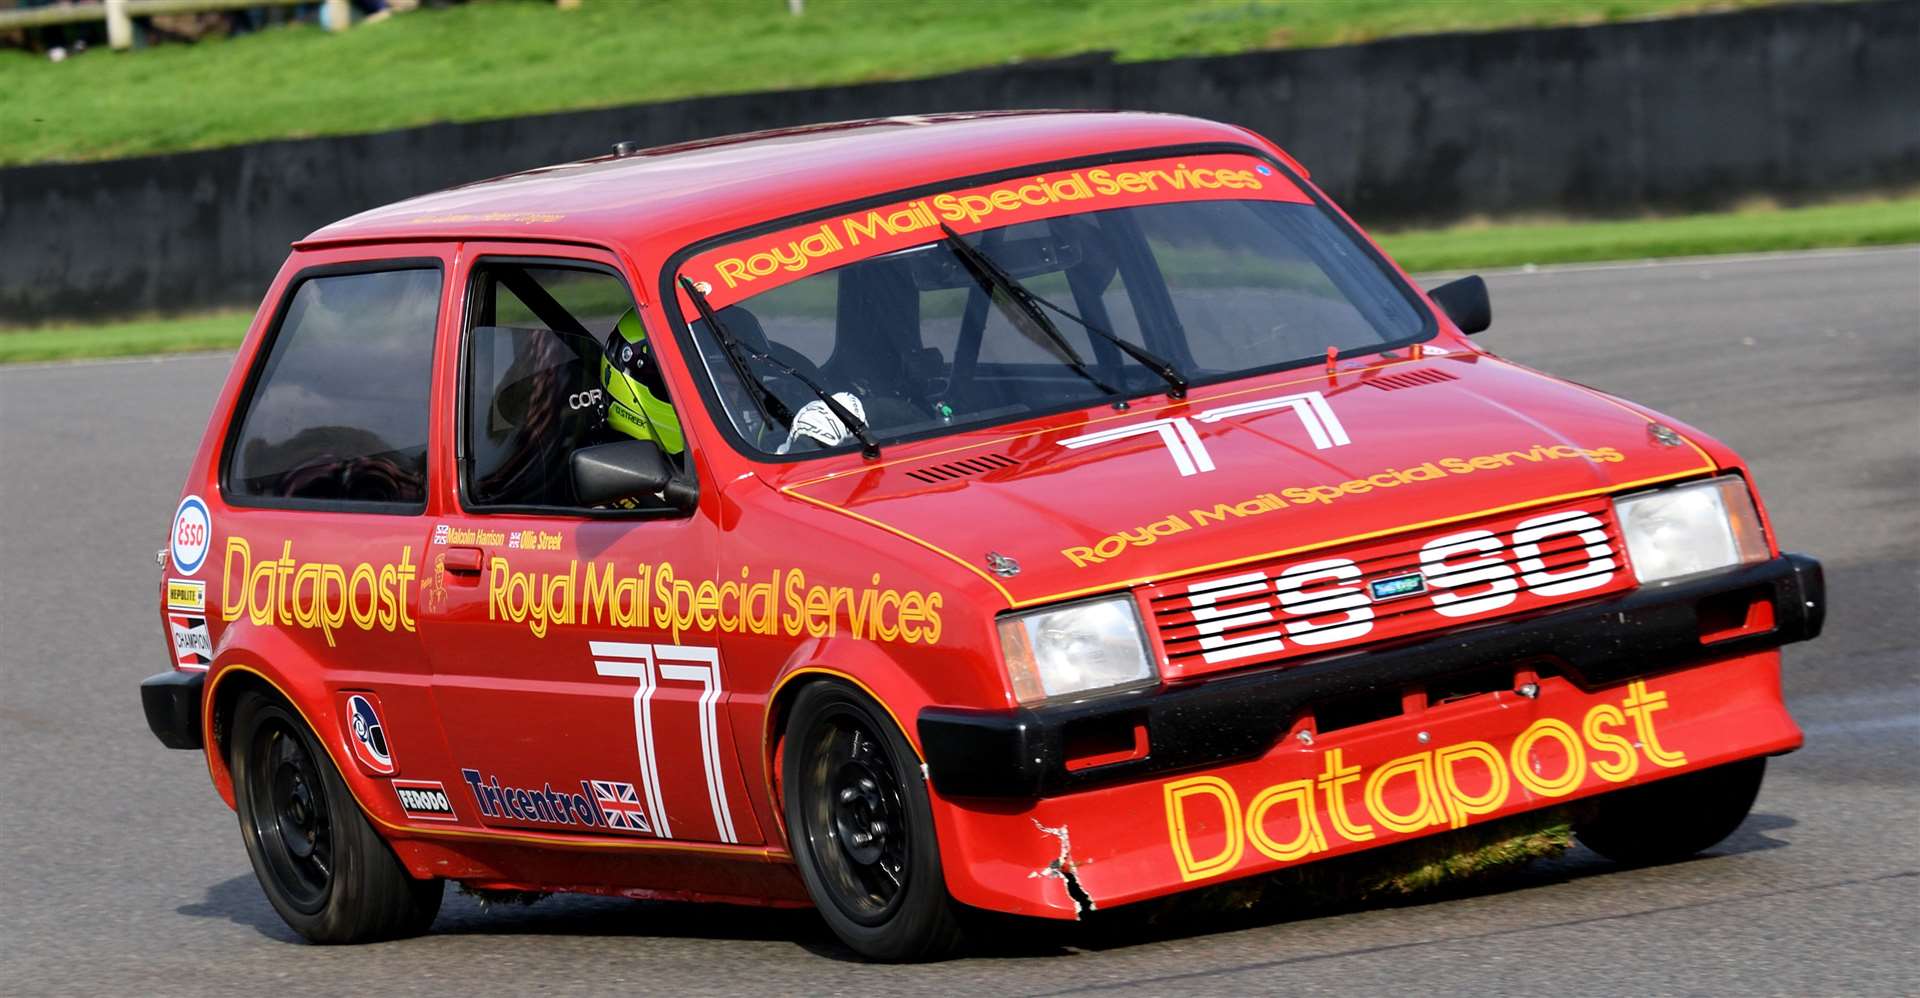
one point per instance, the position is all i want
(192, 535)
(187, 596)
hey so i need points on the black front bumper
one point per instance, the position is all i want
(1023, 752)
(172, 702)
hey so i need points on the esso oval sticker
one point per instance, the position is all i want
(192, 535)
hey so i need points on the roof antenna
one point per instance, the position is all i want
(625, 148)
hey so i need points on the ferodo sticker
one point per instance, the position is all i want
(192, 534)
(426, 800)
(367, 734)
(753, 265)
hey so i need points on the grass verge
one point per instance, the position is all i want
(1879, 222)
(1861, 223)
(507, 58)
(138, 337)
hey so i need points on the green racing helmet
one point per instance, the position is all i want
(636, 396)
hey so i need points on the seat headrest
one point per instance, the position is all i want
(744, 325)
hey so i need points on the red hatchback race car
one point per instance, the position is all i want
(1024, 512)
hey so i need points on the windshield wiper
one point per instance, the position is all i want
(738, 353)
(993, 279)
(991, 274)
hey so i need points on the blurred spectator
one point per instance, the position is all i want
(58, 41)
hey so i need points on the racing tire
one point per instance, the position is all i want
(861, 828)
(319, 861)
(1673, 818)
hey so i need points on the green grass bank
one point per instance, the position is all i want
(506, 58)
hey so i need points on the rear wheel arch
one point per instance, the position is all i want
(227, 686)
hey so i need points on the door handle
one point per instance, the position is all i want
(464, 560)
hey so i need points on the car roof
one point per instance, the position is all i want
(672, 195)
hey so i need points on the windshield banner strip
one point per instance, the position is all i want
(761, 263)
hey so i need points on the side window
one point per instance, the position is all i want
(339, 410)
(539, 386)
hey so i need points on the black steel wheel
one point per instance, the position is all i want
(861, 828)
(293, 828)
(1673, 818)
(320, 863)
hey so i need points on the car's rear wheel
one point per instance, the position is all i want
(322, 866)
(861, 828)
(1673, 818)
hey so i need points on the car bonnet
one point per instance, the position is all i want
(1099, 499)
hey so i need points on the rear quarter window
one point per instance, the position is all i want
(338, 411)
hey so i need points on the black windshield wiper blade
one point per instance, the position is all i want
(992, 277)
(739, 353)
(1176, 382)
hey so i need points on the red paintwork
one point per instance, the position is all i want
(533, 704)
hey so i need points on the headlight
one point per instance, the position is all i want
(1691, 529)
(1077, 648)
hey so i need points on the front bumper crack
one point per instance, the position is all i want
(1062, 868)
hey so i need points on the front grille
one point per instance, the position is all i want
(1341, 599)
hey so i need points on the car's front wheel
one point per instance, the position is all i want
(861, 827)
(1673, 818)
(321, 864)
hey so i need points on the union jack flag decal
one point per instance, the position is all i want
(621, 805)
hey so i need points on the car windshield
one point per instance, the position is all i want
(881, 309)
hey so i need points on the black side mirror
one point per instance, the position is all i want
(629, 469)
(1465, 302)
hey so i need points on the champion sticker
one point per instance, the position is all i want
(192, 535)
(192, 647)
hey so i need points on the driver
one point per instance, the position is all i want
(636, 396)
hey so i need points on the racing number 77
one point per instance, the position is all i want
(653, 665)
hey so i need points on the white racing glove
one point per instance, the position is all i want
(816, 422)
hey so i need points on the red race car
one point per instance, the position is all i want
(1026, 512)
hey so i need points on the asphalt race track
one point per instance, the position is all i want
(122, 872)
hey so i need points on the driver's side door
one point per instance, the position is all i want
(570, 706)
